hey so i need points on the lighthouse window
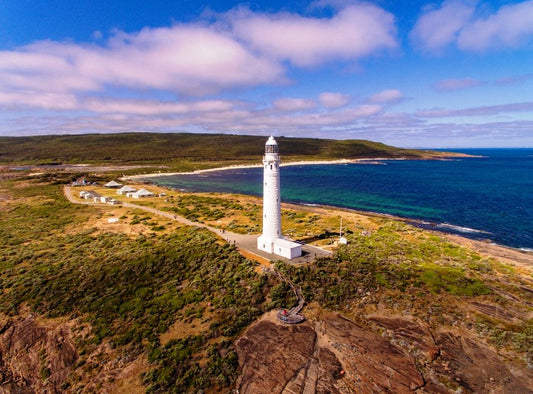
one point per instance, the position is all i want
(271, 149)
(271, 166)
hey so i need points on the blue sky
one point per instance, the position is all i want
(411, 73)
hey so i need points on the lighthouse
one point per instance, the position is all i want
(272, 240)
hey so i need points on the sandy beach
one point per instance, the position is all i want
(239, 166)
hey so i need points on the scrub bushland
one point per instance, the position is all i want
(131, 288)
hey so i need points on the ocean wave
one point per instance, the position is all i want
(461, 229)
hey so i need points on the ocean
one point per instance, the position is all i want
(488, 197)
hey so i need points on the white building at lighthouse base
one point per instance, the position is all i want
(280, 246)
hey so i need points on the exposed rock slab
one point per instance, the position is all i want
(284, 359)
(372, 363)
(34, 358)
(341, 357)
(389, 355)
(477, 368)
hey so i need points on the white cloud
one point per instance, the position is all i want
(334, 100)
(487, 110)
(147, 107)
(447, 85)
(355, 31)
(184, 59)
(41, 70)
(98, 105)
(239, 49)
(466, 24)
(386, 96)
(511, 26)
(294, 104)
(43, 100)
(437, 28)
(517, 79)
(203, 116)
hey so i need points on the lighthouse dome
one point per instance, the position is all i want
(271, 146)
(271, 141)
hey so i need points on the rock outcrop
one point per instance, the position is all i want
(285, 359)
(385, 355)
(34, 358)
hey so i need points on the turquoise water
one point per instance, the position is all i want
(483, 198)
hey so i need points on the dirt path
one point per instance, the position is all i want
(246, 244)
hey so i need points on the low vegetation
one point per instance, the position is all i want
(130, 288)
(182, 149)
(410, 271)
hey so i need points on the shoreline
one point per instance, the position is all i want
(424, 225)
(374, 161)
(446, 229)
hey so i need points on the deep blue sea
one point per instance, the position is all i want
(483, 198)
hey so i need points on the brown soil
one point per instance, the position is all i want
(182, 329)
(252, 256)
(129, 379)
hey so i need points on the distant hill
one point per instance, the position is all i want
(152, 148)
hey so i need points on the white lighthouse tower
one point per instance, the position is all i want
(272, 241)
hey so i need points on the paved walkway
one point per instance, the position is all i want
(246, 243)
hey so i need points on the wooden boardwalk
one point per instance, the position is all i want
(291, 316)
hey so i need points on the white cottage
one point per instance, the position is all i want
(124, 190)
(142, 193)
(113, 185)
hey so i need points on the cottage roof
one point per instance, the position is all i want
(126, 188)
(92, 193)
(113, 184)
(144, 192)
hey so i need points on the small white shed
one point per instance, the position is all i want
(287, 249)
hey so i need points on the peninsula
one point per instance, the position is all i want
(154, 294)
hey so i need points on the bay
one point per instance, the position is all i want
(488, 197)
